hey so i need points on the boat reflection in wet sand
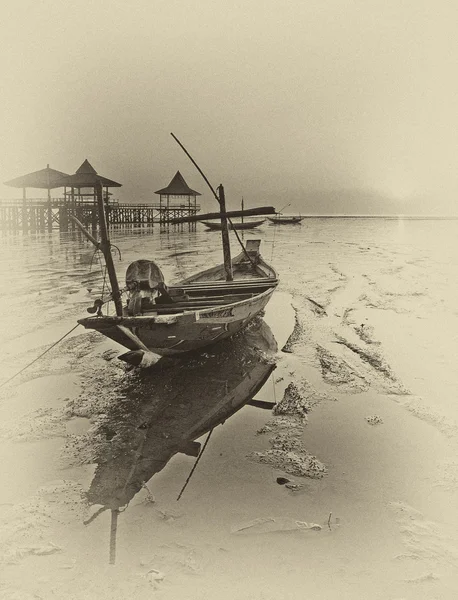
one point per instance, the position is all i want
(162, 418)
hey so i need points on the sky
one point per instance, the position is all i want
(331, 106)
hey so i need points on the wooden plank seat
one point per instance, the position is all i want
(193, 303)
(248, 287)
(225, 284)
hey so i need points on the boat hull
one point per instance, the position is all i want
(234, 225)
(211, 309)
(286, 220)
(189, 331)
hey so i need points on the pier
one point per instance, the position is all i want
(45, 215)
(177, 200)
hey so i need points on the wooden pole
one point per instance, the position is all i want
(105, 246)
(49, 207)
(72, 207)
(113, 532)
(25, 219)
(249, 212)
(225, 235)
(242, 208)
(80, 226)
(95, 208)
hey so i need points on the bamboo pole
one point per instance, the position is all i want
(80, 226)
(113, 532)
(25, 219)
(249, 212)
(222, 214)
(105, 246)
(225, 235)
(49, 206)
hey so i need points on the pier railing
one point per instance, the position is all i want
(37, 214)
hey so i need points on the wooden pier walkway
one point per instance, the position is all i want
(34, 215)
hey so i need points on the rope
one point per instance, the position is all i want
(213, 192)
(104, 285)
(273, 242)
(181, 271)
(96, 252)
(273, 386)
(241, 243)
(103, 272)
(195, 466)
(38, 357)
(275, 230)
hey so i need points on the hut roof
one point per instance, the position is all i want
(44, 179)
(178, 187)
(87, 176)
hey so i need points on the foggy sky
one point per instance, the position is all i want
(332, 105)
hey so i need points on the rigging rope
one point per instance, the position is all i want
(275, 229)
(273, 242)
(241, 243)
(38, 357)
(273, 386)
(103, 272)
(96, 251)
(214, 194)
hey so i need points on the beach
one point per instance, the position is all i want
(346, 488)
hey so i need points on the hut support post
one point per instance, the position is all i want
(49, 210)
(24, 210)
(96, 207)
(70, 209)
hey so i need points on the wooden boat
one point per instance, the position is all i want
(234, 224)
(286, 219)
(196, 312)
(191, 314)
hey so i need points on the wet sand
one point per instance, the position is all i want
(347, 489)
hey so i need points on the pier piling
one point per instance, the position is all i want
(31, 215)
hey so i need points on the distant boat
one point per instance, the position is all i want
(233, 225)
(286, 219)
